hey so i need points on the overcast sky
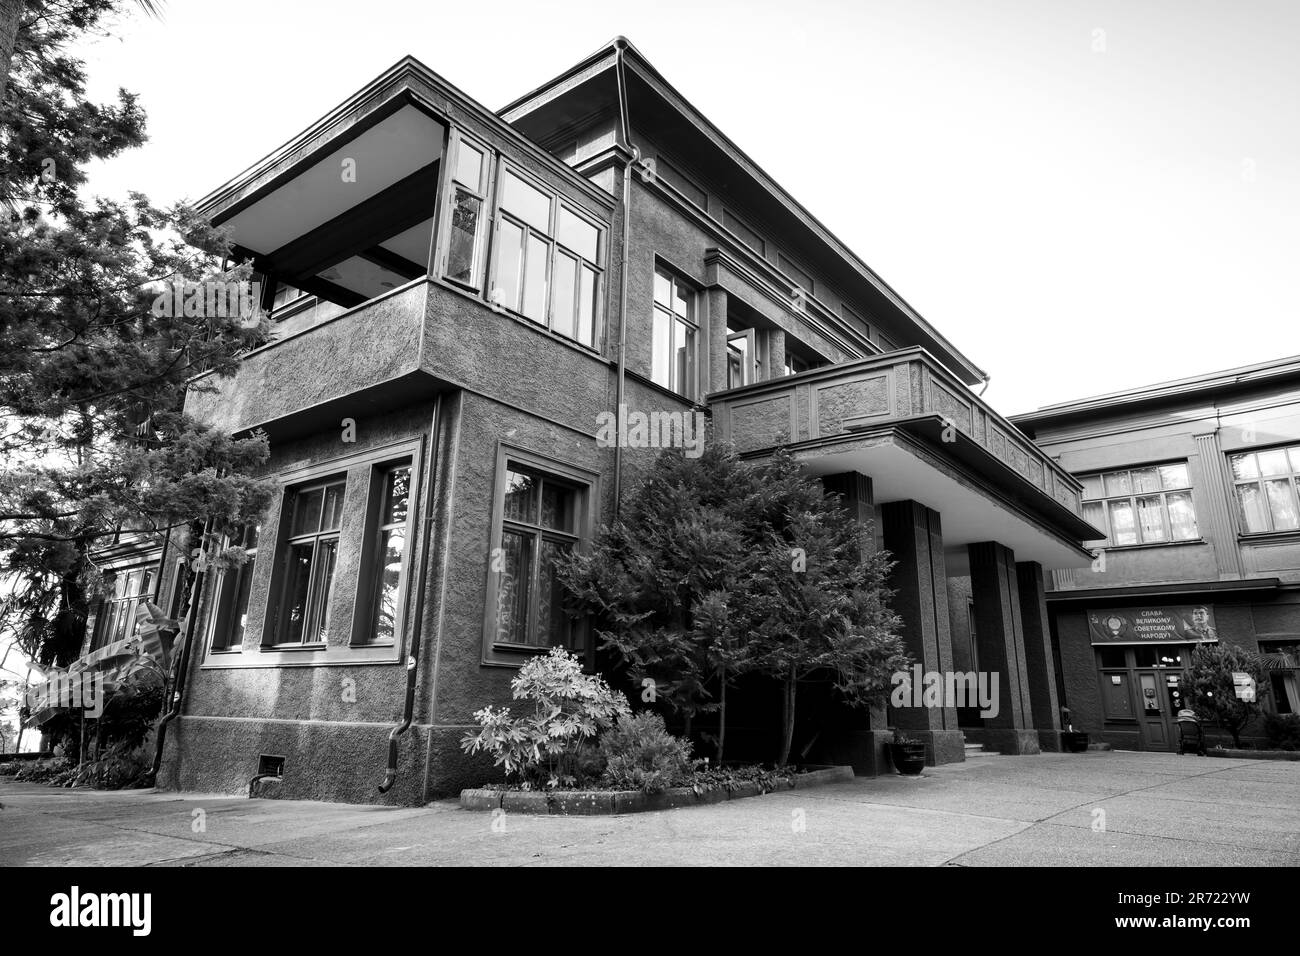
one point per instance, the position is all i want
(1083, 196)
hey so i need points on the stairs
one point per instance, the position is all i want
(977, 750)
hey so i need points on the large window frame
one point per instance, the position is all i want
(460, 182)
(228, 620)
(324, 537)
(674, 314)
(1275, 488)
(382, 527)
(1118, 489)
(499, 649)
(115, 613)
(553, 243)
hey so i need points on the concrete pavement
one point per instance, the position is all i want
(1115, 808)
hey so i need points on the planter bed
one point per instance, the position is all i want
(1253, 754)
(597, 802)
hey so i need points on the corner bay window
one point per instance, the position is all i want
(469, 191)
(116, 618)
(674, 335)
(1266, 489)
(539, 522)
(306, 572)
(546, 262)
(1141, 505)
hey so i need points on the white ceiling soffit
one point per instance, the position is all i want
(413, 244)
(363, 277)
(967, 516)
(389, 151)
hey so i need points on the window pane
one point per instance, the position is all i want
(146, 583)
(521, 497)
(306, 511)
(1174, 476)
(661, 363)
(1091, 486)
(326, 552)
(1244, 466)
(1182, 517)
(1273, 462)
(1117, 483)
(512, 591)
(553, 625)
(531, 205)
(510, 257)
(392, 546)
(663, 290)
(1281, 503)
(1095, 514)
(297, 580)
(685, 359)
(587, 307)
(578, 234)
(333, 516)
(469, 165)
(1295, 459)
(563, 305)
(239, 613)
(557, 507)
(535, 280)
(682, 300)
(1122, 529)
(1152, 518)
(397, 493)
(1145, 479)
(1253, 516)
(463, 241)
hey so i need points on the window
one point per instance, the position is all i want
(748, 236)
(540, 516)
(1266, 489)
(672, 362)
(230, 607)
(312, 517)
(116, 618)
(795, 364)
(744, 358)
(468, 197)
(1141, 505)
(547, 261)
(794, 272)
(681, 182)
(390, 538)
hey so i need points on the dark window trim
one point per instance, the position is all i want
(364, 605)
(1133, 496)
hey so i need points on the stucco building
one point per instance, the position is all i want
(1194, 484)
(458, 295)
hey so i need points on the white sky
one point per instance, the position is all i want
(1075, 221)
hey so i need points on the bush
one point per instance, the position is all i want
(1283, 731)
(640, 754)
(554, 745)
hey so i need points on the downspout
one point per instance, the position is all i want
(987, 378)
(182, 662)
(430, 444)
(625, 137)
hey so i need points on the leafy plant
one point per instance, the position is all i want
(554, 745)
(640, 754)
(1283, 730)
(1212, 688)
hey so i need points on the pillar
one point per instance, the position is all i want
(775, 354)
(715, 333)
(999, 637)
(913, 535)
(1040, 662)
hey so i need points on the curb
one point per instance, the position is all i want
(603, 802)
(1253, 754)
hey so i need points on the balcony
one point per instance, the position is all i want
(919, 433)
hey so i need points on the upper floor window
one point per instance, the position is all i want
(540, 517)
(547, 262)
(469, 176)
(1266, 489)
(674, 334)
(744, 356)
(309, 555)
(230, 607)
(116, 618)
(1141, 505)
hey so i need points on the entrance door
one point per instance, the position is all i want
(1154, 717)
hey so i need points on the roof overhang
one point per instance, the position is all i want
(1179, 589)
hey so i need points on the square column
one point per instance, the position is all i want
(1040, 662)
(999, 638)
(913, 535)
(714, 330)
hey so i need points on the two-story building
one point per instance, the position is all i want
(1196, 486)
(458, 296)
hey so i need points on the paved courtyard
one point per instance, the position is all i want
(1159, 809)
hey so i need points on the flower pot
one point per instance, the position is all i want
(1073, 741)
(908, 759)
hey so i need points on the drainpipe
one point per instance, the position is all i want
(987, 378)
(183, 661)
(625, 136)
(413, 658)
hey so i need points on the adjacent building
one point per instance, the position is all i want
(1196, 486)
(459, 295)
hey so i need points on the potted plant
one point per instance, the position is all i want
(907, 753)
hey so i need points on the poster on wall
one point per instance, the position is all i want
(1153, 625)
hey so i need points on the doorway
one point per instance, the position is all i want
(1146, 686)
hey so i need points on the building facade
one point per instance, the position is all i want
(459, 296)
(1194, 484)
